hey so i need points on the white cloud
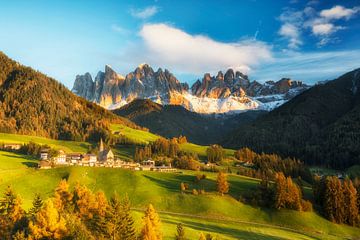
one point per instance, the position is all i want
(325, 29)
(167, 45)
(321, 24)
(144, 13)
(291, 27)
(291, 32)
(338, 12)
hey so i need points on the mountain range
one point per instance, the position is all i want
(320, 126)
(231, 92)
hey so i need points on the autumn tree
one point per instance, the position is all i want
(62, 196)
(350, 201)
(222, 183)
(48, 223)
(180, 232)
(287, 194)
(245, 155)
(215, 153)
(152, 225)
(11, 213)
(202, 236)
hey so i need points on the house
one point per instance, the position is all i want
(164, 168)
(44, 154)
(89, 160)
(60, 158)
(129, 165)
(147, 165)
(44, 164)
(74, 158)
(12, 146)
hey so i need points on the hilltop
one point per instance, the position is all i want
(35, 104)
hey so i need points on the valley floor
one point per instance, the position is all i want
(208, 213)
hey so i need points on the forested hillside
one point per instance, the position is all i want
(172, 121)
(35, 104)
(320, 126)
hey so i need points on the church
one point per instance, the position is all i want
(105, 155)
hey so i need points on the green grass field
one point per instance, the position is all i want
(223, 216)
(139, 136)
(68, 146)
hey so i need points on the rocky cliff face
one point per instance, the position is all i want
(239, 85)
(229, 92)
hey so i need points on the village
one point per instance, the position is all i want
(104, 158)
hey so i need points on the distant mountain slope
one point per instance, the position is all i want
(172, 121)
(321, 125)
(229, 92)
(32, 103)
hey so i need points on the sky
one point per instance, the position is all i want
(307, 40)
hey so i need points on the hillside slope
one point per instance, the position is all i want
(173, 121)
(233, 219)
(320, 125)
(35, 104)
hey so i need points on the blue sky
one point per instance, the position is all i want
(305, 40)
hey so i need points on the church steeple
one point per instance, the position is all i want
(101, 147)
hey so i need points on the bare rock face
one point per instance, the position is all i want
(232, 91)
(84, 86)
(238, 84)
(110, 88)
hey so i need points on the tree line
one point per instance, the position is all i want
(267, 165)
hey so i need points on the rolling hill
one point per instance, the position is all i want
(320, 126)
(173, 121)
(35, 104)
(222, 216)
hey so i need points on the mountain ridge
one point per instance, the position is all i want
(231, 92)
(319, 125)
(174, 120)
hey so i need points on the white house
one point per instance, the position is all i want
(60, 158)
(89, 160)
(74, 158)
(147, 165)
(44, 154)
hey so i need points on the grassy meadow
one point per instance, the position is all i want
(222, 216)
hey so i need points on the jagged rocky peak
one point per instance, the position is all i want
(223, 92)
(84, 85)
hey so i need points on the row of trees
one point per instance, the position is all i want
(269, 164)
(282, 193)
(340, 200)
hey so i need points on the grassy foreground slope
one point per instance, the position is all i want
(209, 213)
